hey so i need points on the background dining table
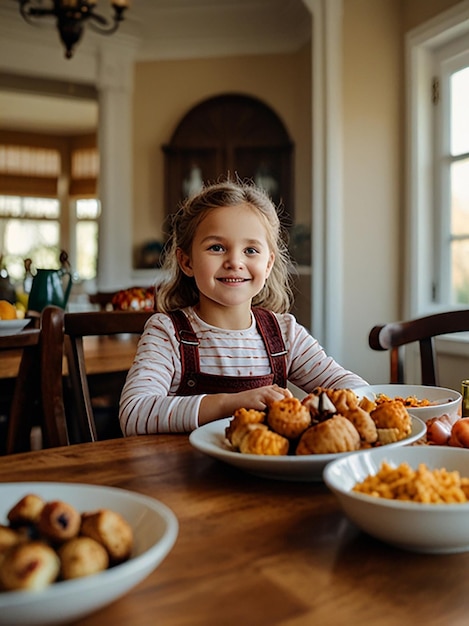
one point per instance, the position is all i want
(104, 355)
(253, 551)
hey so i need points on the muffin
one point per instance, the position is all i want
(288, 417)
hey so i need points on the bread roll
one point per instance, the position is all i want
(33, 565)
(82, 556)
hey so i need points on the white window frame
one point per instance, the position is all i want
(448, 60)
(422, 47)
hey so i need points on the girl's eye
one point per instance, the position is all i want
(216, 247)
(251, 251)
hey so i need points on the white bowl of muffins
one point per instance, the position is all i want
(414, 497)
(89, 546)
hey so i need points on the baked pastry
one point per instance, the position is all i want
(111, 530)
(59, 521)
(242, 431)
(388, 435)
(241, 417)
(8, 538)
(248, 416)
(82, 556)
(26, 511)
(32, 565)
(333, 435)
(347, 404)
(393, 415)
(343, 399)
(264, 441)
(288, 417)
(366, 404)
(363, 423)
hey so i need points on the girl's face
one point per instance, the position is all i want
(230, 258)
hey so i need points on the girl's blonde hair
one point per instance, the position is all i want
(179, 291)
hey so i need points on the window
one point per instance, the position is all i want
(86, 240)
(451, 159)
(29, 228)
(437, 204)
(48, 203)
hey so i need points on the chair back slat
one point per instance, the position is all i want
(82, 406)
(428, 361)
(52, 355)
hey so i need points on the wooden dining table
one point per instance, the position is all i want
(253, 551)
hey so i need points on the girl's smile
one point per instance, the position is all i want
(232, 280)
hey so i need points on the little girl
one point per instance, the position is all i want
(222, 338)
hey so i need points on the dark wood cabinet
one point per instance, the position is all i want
(230, 135)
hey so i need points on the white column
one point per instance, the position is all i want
(115, 180)
(326, 176)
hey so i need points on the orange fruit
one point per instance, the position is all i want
(7, 310)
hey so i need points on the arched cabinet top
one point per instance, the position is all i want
(230, 135)
(234, 118)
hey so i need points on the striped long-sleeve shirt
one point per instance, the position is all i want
(148, 402)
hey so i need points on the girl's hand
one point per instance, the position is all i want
(260, 398)
(217, 406)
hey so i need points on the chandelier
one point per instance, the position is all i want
(72, 15)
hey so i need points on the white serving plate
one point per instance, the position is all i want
(155, 530)
(10, 327)
(413, 526)
(210, 439)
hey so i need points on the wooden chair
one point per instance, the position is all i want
(79, 406)
(36, 399)
(395, 335)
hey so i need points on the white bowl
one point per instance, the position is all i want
(155, 530)
(443, 400)
(10, 327)
(430, 528)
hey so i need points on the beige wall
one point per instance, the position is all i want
(415, 12)
(374, 161)
(166, 90)
(372, 151)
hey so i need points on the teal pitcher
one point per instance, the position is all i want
(50, 287)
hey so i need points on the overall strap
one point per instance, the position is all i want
(188, 342)
(269, 329)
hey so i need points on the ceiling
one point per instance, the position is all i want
(166, 29)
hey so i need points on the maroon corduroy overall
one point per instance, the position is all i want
(195, 382)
